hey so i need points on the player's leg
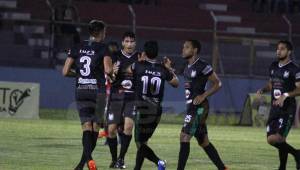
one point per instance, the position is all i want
(202, 137)
(187, 132)
(146, 123)
(94, 137)
(208, 147)
(86, 108)
(113, 119)
(277, 131)
(184, 150)
(126, 136)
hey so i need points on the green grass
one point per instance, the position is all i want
(56, 145)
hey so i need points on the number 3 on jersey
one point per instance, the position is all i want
(154, 85)
(86, 70)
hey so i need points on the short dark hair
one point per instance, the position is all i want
(96, 26)
(287, 43)
(151, 49)
(128, 34)
(195, 44)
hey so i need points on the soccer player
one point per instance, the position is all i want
(197, 73)
(122, 109)
(284, 85)
(150, 77)
(91, 60)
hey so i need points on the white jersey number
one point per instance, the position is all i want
(86, 71)
(155, 83)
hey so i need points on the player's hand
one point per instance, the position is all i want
(116, 67)
(259, 93)
(199, 99)
(141, 57)
(167, 63)
(280, 101)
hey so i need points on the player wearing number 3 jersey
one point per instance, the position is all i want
(91, 61)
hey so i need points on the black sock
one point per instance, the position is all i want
(81, 163)
(87, 145)
(214, 156)
(113, 147)
(183, 155)
(94, 143)
(148, 153)
(139, 159)
(94, 139)
(120, 137)
(125, 142)
(283, 156)
(285, 147)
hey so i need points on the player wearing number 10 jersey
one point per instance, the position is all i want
(91, 61)
(150, 77)
(284, 85)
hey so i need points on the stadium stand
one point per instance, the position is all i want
(170, 22)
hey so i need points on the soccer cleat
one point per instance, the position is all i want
(113, 164)
(161, 165)
(102, 134)
(120, 164)
(92, 165)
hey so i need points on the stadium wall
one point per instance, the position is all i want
(57, 91)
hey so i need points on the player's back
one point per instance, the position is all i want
(88, 58)
(150, 79)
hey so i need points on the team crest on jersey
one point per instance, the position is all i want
(193, 74)
(286, 74)
(110, 116)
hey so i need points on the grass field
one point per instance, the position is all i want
(56, 145)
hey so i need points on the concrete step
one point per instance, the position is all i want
(8, 4)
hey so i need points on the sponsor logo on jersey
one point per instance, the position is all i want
(127, 84)
(87, 52)
(87, 81)
(154, 73)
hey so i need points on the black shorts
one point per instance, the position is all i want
(281, 120)
(147, 119)
(194, 121)
(86, 105)
(116, 103)
(129, 109)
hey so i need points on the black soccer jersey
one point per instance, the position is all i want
(124, 81)
(283, 79)
(88, 58)
(150, 80)
(196, 76)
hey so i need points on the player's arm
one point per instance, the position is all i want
(67, 71)
(108, 68)
(265, 89)
(295, 92)
(174, 82)
(216, 84)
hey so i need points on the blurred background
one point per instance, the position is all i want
(239, 39)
